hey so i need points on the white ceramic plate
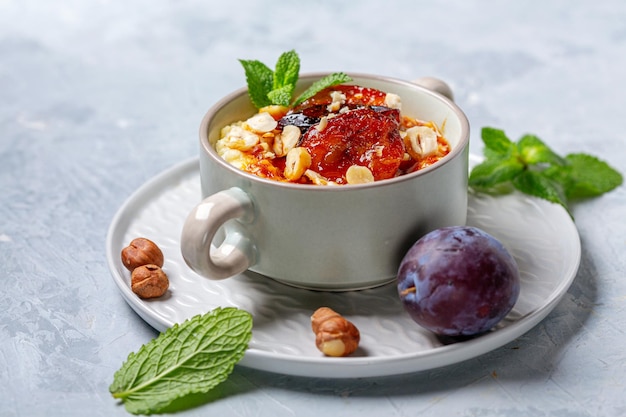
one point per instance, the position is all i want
(541, 236)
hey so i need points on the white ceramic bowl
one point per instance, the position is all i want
(328, 238)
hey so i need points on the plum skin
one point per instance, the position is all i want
(458, 281)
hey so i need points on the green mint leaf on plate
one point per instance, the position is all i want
(260, 79)
(187, 359)
(495, 172)
(585, 176)
(531, 167)
(536, 184)
(330, 80)
(497, 144)
(532, 150)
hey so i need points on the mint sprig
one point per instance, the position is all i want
(267, 87)
(260, 79)
(189, 358)
(330, 80)
(531, 167)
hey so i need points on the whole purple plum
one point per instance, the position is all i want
(458, 281)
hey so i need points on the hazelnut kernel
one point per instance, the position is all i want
(149, 281)
(332, 347)
(358, 174)
(334, 335)
(141, 251)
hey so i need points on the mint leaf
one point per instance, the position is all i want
(189, 358)
(585, 176)
(532, 150)
(536, 184)
(287, 71)
(281, 96)
(260, 79)
(328, 81)
(533, 168)
(267, 87)
(493, 172)
(497, 144)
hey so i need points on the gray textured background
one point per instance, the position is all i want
(98, 97)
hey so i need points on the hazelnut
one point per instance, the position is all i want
(334, 335)
(149, 281)
(141, 251)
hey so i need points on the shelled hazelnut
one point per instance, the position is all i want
(141, 251)
(334, 335)
(149, 281)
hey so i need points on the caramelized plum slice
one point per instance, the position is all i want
(362, 137)
(300, 120)
(304, 122)
(356, 96)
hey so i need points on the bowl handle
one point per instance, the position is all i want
(228, 209)
(436, 85)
